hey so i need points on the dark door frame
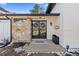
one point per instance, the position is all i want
(32, 28)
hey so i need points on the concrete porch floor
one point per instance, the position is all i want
(49, 47)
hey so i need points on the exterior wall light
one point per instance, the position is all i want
(51, 23)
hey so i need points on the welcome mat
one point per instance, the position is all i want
(39, 41)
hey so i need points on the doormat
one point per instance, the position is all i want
(39, 41)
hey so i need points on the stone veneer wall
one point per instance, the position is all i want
(21, 31)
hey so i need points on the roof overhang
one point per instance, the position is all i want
(53, 14)
(50, 7)
(3, 10)
(29, 16)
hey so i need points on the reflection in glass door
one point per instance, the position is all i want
(39, 29)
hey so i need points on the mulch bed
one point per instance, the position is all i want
(10, 50)
(18, 44)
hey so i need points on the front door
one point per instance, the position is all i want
(39, 29)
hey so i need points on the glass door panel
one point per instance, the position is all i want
(39, 29)
(43, 29)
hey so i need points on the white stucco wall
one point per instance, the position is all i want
(59, 22)
(4, 30)
(50, 29)
(69, 24)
